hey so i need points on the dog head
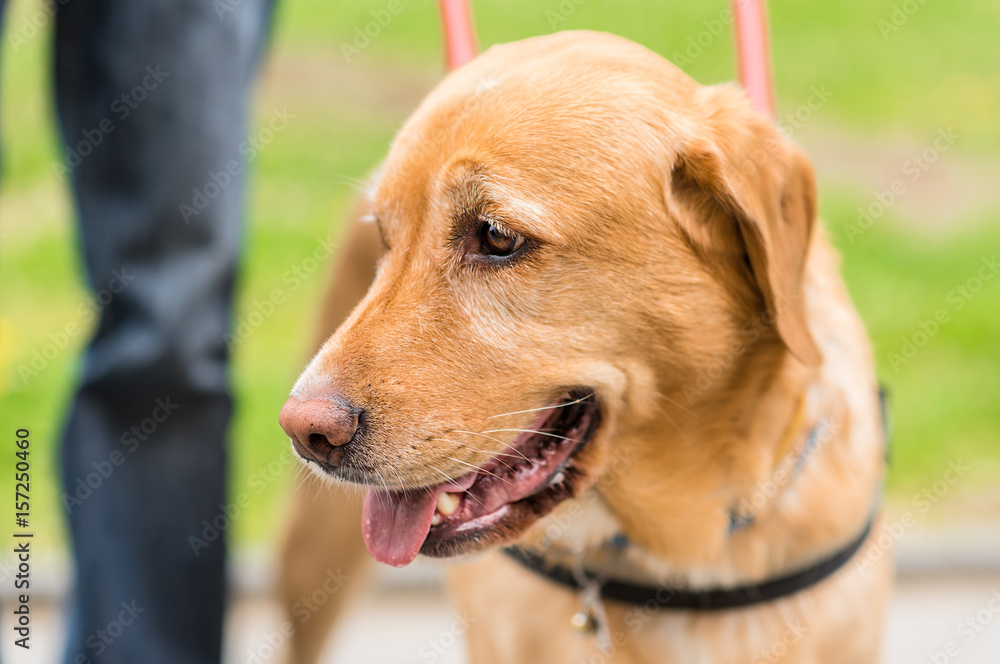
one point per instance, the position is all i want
(573, 230)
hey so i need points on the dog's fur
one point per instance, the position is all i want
(678, 269)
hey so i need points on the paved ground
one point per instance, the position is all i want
(418, 627)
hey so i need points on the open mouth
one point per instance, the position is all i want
(495, 503)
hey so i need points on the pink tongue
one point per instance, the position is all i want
(395, 523)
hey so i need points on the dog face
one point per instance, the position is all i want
(573, 230)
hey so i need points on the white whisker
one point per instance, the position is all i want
(473, 433)
(689, 412)
(480, 470)
(533, 410)
(382, 480)
(449, 479)
(354, 183)
(487, 454)
(673, 422)
(541, 433)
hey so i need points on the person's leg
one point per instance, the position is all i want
(152, 100)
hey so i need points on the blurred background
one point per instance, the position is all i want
(897, 104)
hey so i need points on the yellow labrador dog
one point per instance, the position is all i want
(605, 327)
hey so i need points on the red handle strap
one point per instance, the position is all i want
(459, 38)
(753, 54)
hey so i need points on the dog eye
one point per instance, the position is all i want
(499, 242)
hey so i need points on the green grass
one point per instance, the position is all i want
(941, 68)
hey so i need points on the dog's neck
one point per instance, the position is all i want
(676, 486)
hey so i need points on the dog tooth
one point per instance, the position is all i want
(557, 478)
(447, 503)
(436, 519)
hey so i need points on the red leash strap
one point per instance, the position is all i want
(753, 54)
(459, 39)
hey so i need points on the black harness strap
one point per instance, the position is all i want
(696, 600)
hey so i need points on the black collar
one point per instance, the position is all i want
(698, 600)
(707, 600)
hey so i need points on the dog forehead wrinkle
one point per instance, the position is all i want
(521, 209)
(469, 185)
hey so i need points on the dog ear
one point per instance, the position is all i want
(750, 193)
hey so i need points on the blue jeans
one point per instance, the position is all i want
(152, 99)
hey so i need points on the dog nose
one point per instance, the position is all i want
(319, 428)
